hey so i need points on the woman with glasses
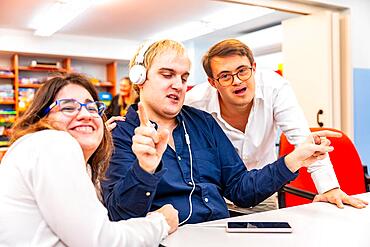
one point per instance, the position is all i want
(59, 153)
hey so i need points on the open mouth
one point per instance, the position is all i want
(173, 96)
(84, 128)
(240, 90)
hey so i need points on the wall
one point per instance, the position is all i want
(67, 45)
(362, 113)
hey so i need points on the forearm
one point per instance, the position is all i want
(257, 185)
(323, 175)
(148, 231)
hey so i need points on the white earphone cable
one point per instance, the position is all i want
(187, 139)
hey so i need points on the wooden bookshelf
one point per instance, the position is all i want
(42, 69)
(20, 71)
(30, 85)
(7, 102)
(6, 76)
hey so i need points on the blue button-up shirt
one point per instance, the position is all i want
(218, 172)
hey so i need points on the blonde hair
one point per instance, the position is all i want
(158, 48)
(133, 94)
(155, 49)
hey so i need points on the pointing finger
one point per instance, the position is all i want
(326, 133)
(144, 120)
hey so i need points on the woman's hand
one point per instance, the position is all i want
(171, 215)
(111, 123)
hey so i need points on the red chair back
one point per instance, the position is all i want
(346, 162)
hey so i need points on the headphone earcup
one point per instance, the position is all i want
(137, 74)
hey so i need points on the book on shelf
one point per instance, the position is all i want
(25, 96)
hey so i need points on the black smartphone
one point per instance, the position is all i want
(250, 226)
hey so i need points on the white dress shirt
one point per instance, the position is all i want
(274, 106)
(48, 199)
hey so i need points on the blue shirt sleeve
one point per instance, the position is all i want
(128, 190)
(246, 188)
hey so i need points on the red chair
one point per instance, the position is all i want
(347, 166)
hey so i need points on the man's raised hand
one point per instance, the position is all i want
(148, 144)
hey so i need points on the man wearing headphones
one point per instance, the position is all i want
(167, 153)
(249, 106)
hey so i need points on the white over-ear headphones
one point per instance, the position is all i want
(137, 72)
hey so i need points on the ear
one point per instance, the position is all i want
(254, 66)
(212, 82)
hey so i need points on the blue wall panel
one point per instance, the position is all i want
(362, 113)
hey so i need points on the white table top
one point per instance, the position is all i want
(314, 224)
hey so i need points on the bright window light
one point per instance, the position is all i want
(227, 17)
(58, 14)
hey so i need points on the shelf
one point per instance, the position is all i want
(6, 76)
(44, 69)
(30, 85)
(7, 102)
(27, 72)
(104, 84)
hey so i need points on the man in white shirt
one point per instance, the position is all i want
(250, 105)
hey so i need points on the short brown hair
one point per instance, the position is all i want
(225, 48)
(34, 119)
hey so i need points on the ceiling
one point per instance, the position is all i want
(122, 19)
(118, 19)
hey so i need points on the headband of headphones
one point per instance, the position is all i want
(141, 54)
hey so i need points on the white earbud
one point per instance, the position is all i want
(137, 72)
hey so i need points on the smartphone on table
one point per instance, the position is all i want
(258, 226)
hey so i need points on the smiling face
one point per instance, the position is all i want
(85, 128)
(164, 90)
(125, 88)
(240, 93)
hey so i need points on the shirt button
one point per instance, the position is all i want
(206, 199)
(147, 193)
(178, 157)
(190, 183)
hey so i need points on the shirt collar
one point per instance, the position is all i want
(214, 103)
(258, 86)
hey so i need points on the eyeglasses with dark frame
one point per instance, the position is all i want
(71, 107)
(243, 74)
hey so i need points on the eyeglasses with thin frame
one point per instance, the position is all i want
(71, 107)
(243, 74)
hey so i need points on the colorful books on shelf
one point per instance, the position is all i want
(6, 93)
(6, 72)
(30, 80)
(25, 97)
(106, 97)
(4, 141)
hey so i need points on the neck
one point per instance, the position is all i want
(236, 116)
(87, 156)
(166, 122)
